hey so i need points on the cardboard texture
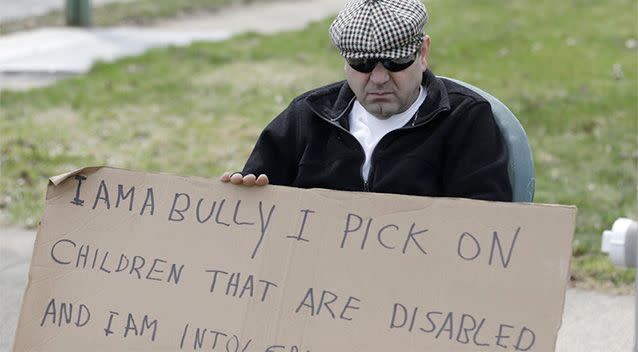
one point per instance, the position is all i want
(132, 261)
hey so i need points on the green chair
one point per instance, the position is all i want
(521, 162)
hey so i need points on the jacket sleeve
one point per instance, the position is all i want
(275, 153)
(477, 159)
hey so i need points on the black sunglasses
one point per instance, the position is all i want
(366, 65)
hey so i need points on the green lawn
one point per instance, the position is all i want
(569, 71)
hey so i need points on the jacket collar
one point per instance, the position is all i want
(323, 101)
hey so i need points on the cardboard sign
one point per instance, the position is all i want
(148, 262)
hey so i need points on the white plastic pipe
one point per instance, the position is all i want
(621, 242)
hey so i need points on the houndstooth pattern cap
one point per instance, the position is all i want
(379, 28)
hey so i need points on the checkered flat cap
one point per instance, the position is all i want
(379, 28)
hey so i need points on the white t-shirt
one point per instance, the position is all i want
(369, 129)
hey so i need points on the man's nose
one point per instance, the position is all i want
(380, 74)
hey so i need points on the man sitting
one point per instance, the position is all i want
(392, 126)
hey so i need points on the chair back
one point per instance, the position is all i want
(521, 162)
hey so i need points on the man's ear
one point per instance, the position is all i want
(425, 53)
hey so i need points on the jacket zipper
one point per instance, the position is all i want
(366, 184)
(404, 128)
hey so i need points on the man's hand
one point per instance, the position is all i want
(248, 180)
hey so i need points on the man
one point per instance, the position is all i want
(391, 127)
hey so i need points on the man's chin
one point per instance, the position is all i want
(381, 111)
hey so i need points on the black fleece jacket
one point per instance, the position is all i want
(452, 147)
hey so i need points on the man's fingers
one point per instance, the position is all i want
(236, 179)
(262, 180)
(249, 180)
(225, 177)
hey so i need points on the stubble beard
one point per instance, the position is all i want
(380, 109)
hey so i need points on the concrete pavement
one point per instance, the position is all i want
(595, 321)
(16, 246)
(48, 49)
(592, 322)
(41, 57)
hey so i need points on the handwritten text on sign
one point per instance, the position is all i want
(136, 260)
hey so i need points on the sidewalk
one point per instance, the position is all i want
(16, 246)
(592, 322)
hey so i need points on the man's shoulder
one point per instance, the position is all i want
(329, 101)
(461, 94)
(320, 100)
(321, 93)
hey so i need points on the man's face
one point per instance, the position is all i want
(384, 93)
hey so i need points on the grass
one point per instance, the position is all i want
(127, 12)
(568, 70)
